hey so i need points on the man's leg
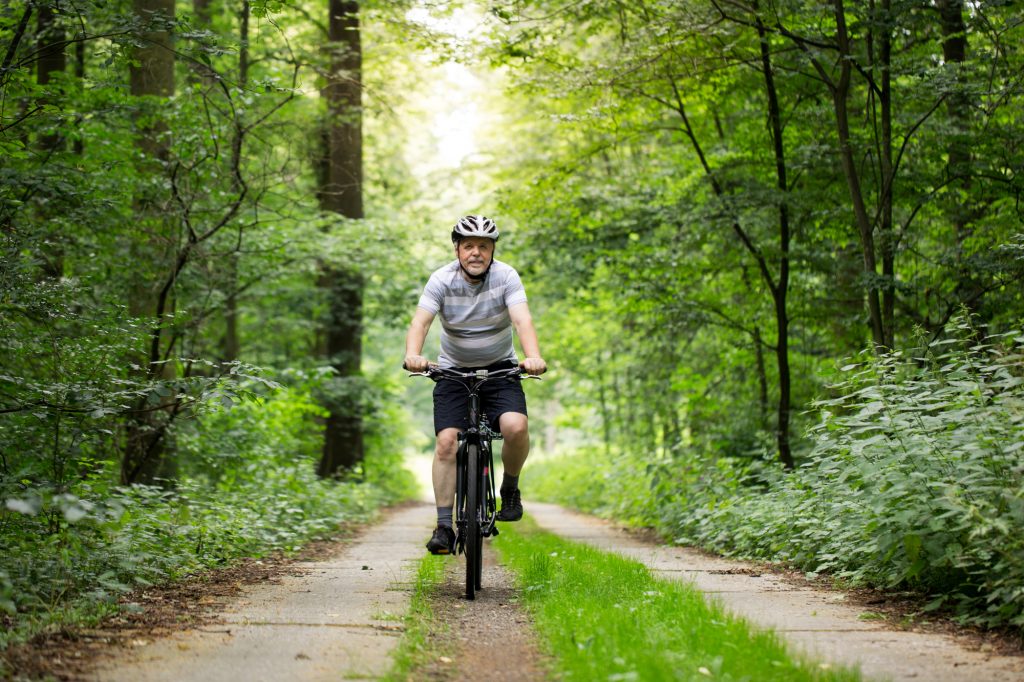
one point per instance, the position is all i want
(516, 445)
(443, 472)
(443, 475)
(514, 451)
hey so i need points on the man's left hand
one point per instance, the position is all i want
(534, 366)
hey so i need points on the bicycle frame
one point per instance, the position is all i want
(475, 499)
(479, 434)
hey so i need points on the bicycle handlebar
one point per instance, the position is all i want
(437, 373)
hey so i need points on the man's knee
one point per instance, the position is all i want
(514, 426)
(447, 444)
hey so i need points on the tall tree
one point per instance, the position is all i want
(51, 61)
(958, 203)
(840, 88)
(341, 192)
(779, 288)
(231, 346)
(51, 43)
(151, 77)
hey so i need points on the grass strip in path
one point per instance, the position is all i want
(423, 630)
(604, 617)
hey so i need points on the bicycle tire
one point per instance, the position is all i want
(474, 541)
(481, 515)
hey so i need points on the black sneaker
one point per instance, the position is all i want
(442, 541)
(511, 506)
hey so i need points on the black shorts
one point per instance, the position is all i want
(451, 399)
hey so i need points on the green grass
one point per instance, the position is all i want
(423, 631)
(603, 617)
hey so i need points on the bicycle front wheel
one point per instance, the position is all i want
(474, 539)
(481, 515)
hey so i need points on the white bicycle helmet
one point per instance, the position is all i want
(474, 226)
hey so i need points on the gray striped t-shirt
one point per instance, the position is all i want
(476, 330)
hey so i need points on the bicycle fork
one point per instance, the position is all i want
(489, 504)
(490, 529)
(461, 513)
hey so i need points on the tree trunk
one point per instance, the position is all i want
(12, 47)
(342, 194)
(50, 44)
(887, 238)
(199, 73)
(201, 8)
(762, 378)
(152, 75)
(232, 345)
(958, 105)
(79, 145)
(840, 95)
(780, 290)
(606, 416)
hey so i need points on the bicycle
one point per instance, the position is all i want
(475, 501)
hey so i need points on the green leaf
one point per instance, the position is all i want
(912, 546)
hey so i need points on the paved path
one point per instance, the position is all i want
(817, 622)
(337, 620)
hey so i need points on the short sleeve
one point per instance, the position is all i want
(514, 291)
(433, 295)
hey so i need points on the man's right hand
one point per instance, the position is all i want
(415, 363)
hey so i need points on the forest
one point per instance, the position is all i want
(774, 251)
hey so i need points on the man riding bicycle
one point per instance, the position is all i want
(479, 300)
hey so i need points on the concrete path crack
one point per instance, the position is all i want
(267, 623)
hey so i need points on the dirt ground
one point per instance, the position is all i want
(490, 637)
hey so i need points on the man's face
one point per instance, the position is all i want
(475, 254)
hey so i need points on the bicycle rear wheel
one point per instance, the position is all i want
(474, 540)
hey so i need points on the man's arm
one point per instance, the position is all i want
(414, 338)
(523, 322)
